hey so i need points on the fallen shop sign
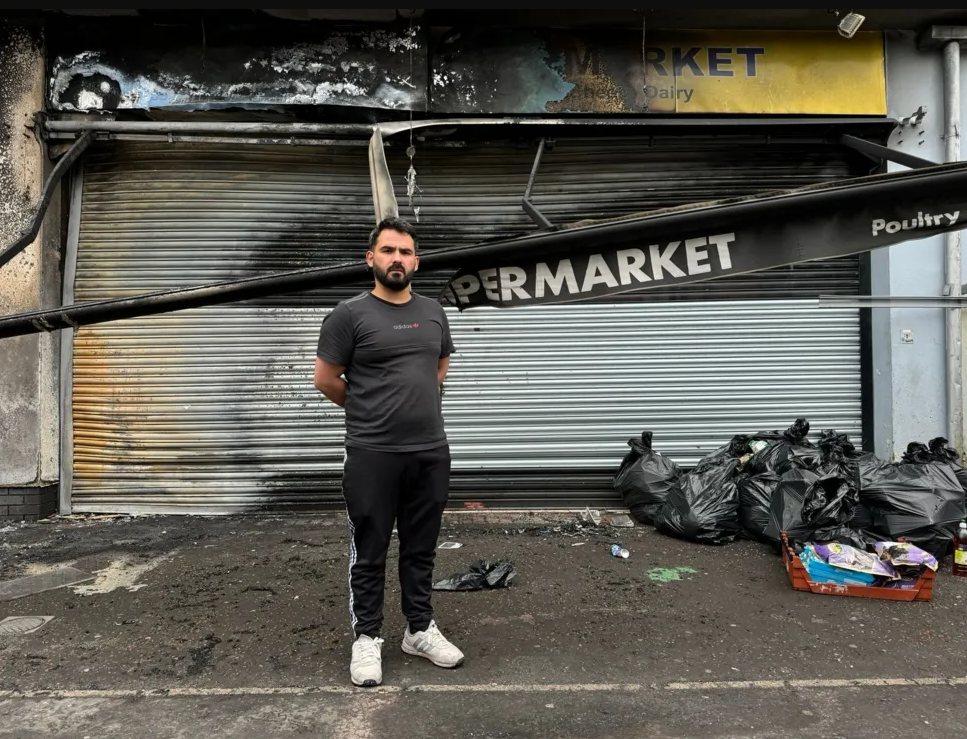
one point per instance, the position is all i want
(596, 274)
(598, 258)
(718, 239)
(921, 221)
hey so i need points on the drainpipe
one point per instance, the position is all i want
(948, 40)
(952, 252)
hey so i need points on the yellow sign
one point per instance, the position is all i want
(777, 72)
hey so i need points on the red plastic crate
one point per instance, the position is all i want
(800, 580)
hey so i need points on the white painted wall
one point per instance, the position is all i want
(909, 385)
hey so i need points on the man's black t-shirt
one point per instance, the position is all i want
(391, 353)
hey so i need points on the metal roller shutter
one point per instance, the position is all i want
(549, 396)
(213, 410)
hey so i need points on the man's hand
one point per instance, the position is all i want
(441, 370)
(328, 381)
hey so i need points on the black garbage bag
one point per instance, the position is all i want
(831, 439)
(862, 519)
(704, 508)
(795, 456)
(755, 501)
(865, 467)
(645, 478)
(922, 503)
(482, 575)
(789, 449)
(917, 453)
(786, 513)
(737, 447)
(862, 465)
(780, 457)
(832, 499)
(862, 540)
(940, 452)
(795, 434)
(830, 504)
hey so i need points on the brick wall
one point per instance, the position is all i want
(27, 503)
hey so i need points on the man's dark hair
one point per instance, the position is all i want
(392, 224)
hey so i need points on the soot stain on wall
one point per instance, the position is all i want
(531, 71)
(130, 64)
(19, 43)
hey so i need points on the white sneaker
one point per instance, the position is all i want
(366, 669)
(432, 645)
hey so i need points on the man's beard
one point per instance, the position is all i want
(396, 281)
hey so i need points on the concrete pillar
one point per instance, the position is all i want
(28, 364)
(909, 344)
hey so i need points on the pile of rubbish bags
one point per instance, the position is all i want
(759, 485)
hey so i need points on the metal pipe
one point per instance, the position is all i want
(952, 253)
(534, 168)
(759, 139)
(878, 153)
(393, 127)
(210, 127)
(889, 301)
(315, 129)
(529, 208)
(30, 233)
(181, 138)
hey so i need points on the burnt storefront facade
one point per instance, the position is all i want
(226, 149)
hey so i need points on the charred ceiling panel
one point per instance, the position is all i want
(132, 65)
(537, 72)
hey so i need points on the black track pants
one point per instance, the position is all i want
(411, 489)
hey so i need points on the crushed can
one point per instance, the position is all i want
(619, 551)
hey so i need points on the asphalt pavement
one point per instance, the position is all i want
(239, 626)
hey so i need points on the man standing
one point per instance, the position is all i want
(393, 347)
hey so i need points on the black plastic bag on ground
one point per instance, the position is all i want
(755, 502)
(737, 447)
(789, 449)
(786, 514)
(704, 508)
(832, 499)
(862, 465)
(483, 575)
(645, 478)
(943, 453)
(780, 457)
(795, 457)
(865, 467)
(795, 434)
(830, 439)
(862, 519)
(922, 503)
(917, 453)
(861, 540)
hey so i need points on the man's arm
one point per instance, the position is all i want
(333, 354)
(446, 349)
(441, 370)
(328, 381)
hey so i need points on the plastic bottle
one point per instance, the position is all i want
(619, 551)
(960, 550)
